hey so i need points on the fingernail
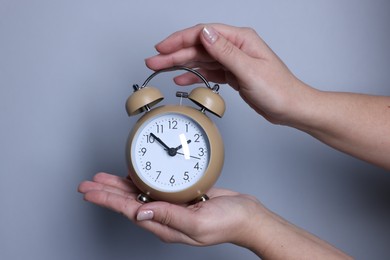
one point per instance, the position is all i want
(210, 34)
(145, 215)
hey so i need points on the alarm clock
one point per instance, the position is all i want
(174, 153)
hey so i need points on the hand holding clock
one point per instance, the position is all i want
(239, 57)
(228, 217)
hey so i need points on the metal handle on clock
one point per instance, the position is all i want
(215, 88)
(145, 97)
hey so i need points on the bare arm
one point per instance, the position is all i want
(286, 241)
(356, 124)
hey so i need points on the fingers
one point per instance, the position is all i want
(174, 216)
(180, 57)
(170, 222)
(196, 224)
(88, 186)
(217, 76)
(182, 39)
(179, 217)
(109, 183)
(190, 37)
(185, 47)
(113, 192)
(210, 47)
(125, 204)
(115, 181)
(216, 192)
(224, 51)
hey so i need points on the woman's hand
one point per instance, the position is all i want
(228, 217)
(238, 57)
(356, 124)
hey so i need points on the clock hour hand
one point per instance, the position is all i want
(181, 146)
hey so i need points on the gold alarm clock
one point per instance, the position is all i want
(175, 153)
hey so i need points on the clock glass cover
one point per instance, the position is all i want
(171, 152)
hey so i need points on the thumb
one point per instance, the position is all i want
(174, 216)
(224, 51)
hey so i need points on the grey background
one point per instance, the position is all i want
(66, 69)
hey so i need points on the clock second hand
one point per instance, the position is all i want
(190, 156)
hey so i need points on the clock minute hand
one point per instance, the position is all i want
(170, 150)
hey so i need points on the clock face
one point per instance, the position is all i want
(170, 152)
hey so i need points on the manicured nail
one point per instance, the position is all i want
(210, 34)
(145, 215)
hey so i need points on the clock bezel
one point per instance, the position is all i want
(210, 175)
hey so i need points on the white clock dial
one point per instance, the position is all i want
(171, 152)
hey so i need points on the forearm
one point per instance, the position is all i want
(356, 124)
(280, 239)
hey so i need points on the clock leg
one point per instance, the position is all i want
(143, 198)
(202, 198)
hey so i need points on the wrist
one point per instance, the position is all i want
(256, 231)
(299, 106)
(272, 237)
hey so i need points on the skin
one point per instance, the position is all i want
(353, 123)
(356, 124)
(228, 217)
